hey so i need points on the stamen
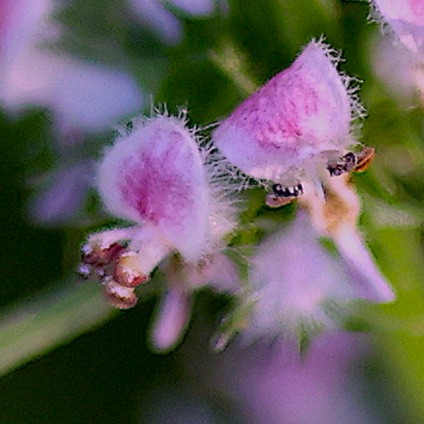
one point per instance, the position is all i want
(282, 195)
(365, 157)
(352, 162)
(345, 164)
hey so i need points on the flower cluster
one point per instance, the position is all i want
(295, 138)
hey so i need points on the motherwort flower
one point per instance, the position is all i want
(399, 69)
(157, 178)
(83, 97)
(295, 132)
(400, 65)
(298, 121)
(298, 287)
(406, 20)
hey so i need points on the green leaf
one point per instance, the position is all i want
(53, 318)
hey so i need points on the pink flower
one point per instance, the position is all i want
(157, 177)
(299, 287)
(297, 120)
(295, 131)
(399, 69)
(405, 18)
(83, 97)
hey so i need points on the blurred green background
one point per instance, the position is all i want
(65, 356)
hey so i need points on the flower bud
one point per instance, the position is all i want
(128, 272)
(119, 296)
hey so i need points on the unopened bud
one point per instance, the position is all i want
(119, 296)
(128, 272)
(93, 254)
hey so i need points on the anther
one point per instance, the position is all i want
(282, 195)
(345, 164)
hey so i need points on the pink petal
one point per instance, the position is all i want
(294, 277)
(155, 176)
(82, 96)
(300, 113)
(64, 197)
(171, 320)
(406, 18)
(370, 283)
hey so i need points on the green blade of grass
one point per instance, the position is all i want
(52, 318)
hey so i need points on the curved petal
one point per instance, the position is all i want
(301, 112)
(171, 320)
(155, 175)
(369, 282)
(336, 216)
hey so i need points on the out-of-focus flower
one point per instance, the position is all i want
(298, 287)
(400, 66)
(400, 70)
(295, 131)
(157, 15)
(157, 178)
(405, 18)
(64, 195)
(83, 97)
(272, 384)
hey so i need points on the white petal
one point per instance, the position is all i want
(336, 216)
